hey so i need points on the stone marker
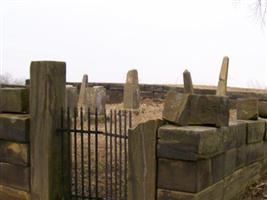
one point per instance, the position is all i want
(247, 109)
(192, 109)
(263, 109)
(222, 85)
(83, 96)
(97, 99)
(188, 85)
(131, 93)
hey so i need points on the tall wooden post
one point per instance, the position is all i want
(47, 97)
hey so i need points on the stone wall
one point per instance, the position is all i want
(197, 162)
(158, 92)
(210, 163)
(14, 144)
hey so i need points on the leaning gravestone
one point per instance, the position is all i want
(131, 93)
(97, 99)
(83, 96)
(222, 85)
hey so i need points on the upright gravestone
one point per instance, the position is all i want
(188, 85)
(97, 99)
(222, 85)
(131, 93)
(83, 95)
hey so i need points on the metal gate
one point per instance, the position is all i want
(94, 154)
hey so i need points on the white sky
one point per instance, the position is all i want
(159, 38)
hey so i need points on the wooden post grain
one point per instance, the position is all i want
(47, 97)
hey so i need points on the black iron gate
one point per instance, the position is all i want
(94, 154)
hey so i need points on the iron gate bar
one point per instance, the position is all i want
(111, 153)
(114, 172)
(96, 153)
(75, 154)
(125, 155)
(106, 156)
(89, 155)
(82, 156)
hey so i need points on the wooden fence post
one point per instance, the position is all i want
(47, 97)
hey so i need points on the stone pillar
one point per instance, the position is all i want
(97, 99)
(188, 85)
(142, 161)
(131, 93)
(47, 97)
(222, 85)
(83, 95)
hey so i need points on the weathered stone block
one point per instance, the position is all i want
(142, 161)
(131, 96)
(236, 183)
(263, 109)
(14, 127)
(15, 176)
(15, 100)
(247, 109)
(186, 176)
(218, 167)
(264, 167)
(192, 109)
(255, 131)
(230, 161)
(14, 153)
(255, 152)
(8, 193)
(239, 131)
(214, 192)
(241, 156)
(189, 142)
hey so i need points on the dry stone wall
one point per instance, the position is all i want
(158, 92)
(202, 163)
(14, 144)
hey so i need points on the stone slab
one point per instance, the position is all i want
(142, 161)
(15, 127)
(8, 193)
(193, 109)
(214, 192)
(230, 161)
(218, 167)
(255, 152)
(189, 142)
(263, 109)
(255, 131)
(14, 153)
(185, 176)
(15, 176)
(14, 100)
(247, 109)
(241, 157)
(235, 184)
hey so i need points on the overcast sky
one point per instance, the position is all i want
(161, 39)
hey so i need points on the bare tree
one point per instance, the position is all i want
(8, 79)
